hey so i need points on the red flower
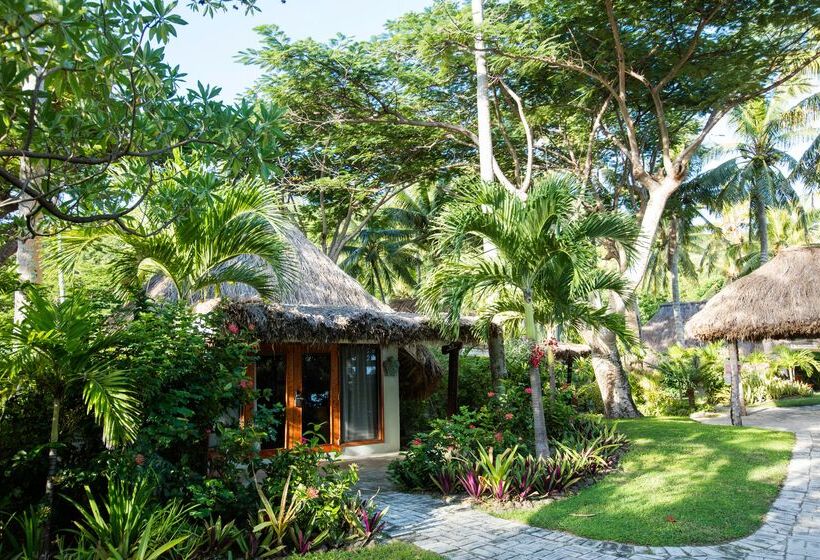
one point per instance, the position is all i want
(508, 416)
(536, 355)
(139, 458)
(499, 437)
(528, 390)
(303, 440)
(491, 394)
(245, 384)
(416, 442)
(251, 327)
(472, 426)
(233, 328)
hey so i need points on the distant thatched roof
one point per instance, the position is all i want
(781, 299)
(567, 350)
(659, 332)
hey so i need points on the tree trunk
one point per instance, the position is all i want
(551, 369)
(734, 371)
(485, 142)
(690, 396)
(674, 273)
(539, 424)
(762, 231)
(495, 346)
(28, 262)
(609, 371)
(53, 459)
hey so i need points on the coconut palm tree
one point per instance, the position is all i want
(542, 272)
(64, 349)
(232, 237)
(759, 172)
(382, 258)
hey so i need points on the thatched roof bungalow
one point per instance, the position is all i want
(332, 353)
(658, 334)
(781, 299)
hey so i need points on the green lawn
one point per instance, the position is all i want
(797, 401)
(392, 551)
(680, 483)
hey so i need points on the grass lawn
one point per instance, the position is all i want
(680, 483)
(796, 401)
(391, 551)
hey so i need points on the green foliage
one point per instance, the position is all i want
(221, 240)
(91, 103)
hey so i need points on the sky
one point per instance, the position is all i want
(205, 48)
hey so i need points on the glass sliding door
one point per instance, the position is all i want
(361, 398)
(315, 395)
(271, 380)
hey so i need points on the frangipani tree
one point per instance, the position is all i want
(543, 270)
(232, 236)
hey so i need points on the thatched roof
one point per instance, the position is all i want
(781, 299)
(566, 350)
(325, 304)
(659, 332)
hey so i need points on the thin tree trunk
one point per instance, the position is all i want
(485, 141)
(551, 369)
(53, 459)
(28, 262)
(734, 371)
(763, 231)
(674, 272)
(542, 448)
(495, 347)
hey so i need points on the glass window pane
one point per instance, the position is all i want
(270, 374)
(361, 392)
(316, 394)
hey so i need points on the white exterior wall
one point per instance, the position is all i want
(390, 398)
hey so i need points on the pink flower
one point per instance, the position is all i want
(528, 390)
(312, 493)
(508, 416)
(139, 458)
(472, 426)
(499, 437)
(233, 328)
(245, 384)
(251, 327)
(303, 440)
(416, 442)
(490, 394)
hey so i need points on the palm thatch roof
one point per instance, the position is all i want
(781, 299)
(324, 304)
(659, 332)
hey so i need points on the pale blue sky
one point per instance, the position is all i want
(205, 48)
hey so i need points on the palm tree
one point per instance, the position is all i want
(542, 272)
(64, 349)
(765, 128)
(223, 240)
(381, 258)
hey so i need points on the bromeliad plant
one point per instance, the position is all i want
(497, 470)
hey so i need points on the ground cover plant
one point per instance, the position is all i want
(392, 551)
(680, 483)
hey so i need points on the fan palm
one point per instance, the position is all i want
(63, 349)
(232, 238)
(543, 271)
(765, 128)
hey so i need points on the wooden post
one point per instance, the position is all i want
(495, 347)
(734, 369)
(452, 350)
(569, 363)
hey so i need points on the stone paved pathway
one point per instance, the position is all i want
(791, 530)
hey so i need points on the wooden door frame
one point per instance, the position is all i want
(293, 382)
